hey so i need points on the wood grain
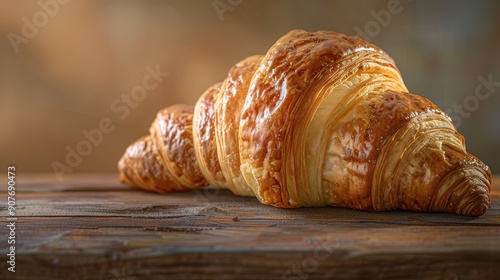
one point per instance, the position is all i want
(91, 227)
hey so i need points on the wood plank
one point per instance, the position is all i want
(76, 232)
(198, 208)
(49, 182)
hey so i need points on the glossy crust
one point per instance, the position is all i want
(228, 114)
(204, 137)
(321, 119)
(284, 95)
(141, 166)
(172, 133)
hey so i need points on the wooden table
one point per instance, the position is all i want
(91, 227)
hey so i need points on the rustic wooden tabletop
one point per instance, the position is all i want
(91, 227)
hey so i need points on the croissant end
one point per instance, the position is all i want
(465, 189)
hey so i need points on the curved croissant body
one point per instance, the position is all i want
(321, 119)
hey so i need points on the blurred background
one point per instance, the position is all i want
(67, 65)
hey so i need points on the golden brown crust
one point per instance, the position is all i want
(279, 101)
(228, 113)
(321, 119)
(141, 166)
(172, 132)
(204, 137)
(417, 166)
(464, 187)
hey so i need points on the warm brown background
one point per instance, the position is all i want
(66, 77)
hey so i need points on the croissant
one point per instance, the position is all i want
(320, 119)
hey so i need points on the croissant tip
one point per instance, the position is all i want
(479, 210)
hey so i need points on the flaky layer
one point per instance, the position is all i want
(227, 120)
(204, 140)
(141, 166)
(172, 133)
(320, 119)
(284, 95)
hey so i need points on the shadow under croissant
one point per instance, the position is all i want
(321, 119)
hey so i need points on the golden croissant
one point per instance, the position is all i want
(320, 119)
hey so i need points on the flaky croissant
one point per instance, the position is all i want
(321, 119)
